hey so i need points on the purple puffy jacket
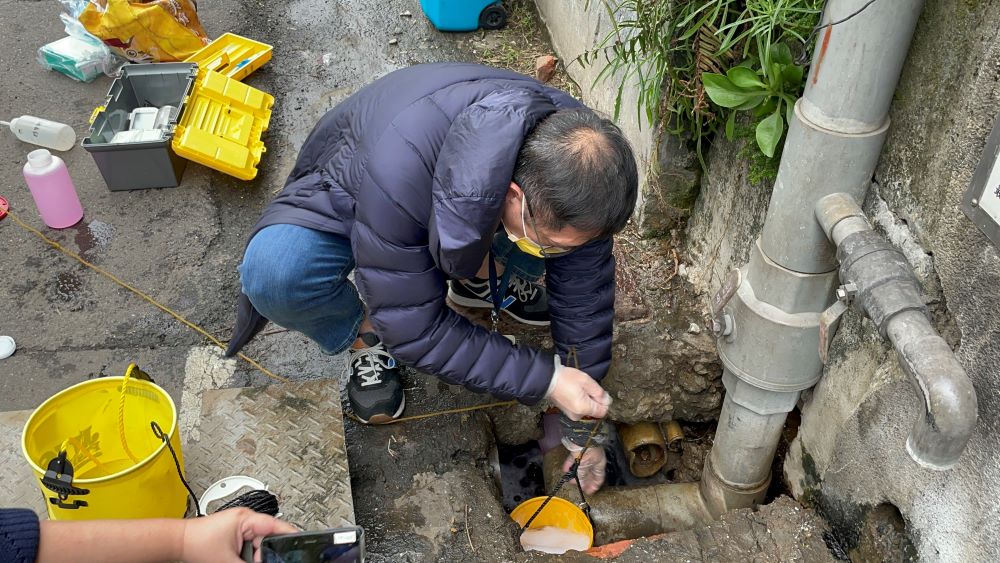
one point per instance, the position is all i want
(413, 169)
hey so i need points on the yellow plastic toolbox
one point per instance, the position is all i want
(210, 117)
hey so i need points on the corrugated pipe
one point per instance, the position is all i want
(644, 447)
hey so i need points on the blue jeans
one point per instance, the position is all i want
(297, 278)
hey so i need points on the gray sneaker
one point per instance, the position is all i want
(375, 388)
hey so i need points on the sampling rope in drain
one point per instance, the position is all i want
(572, 473)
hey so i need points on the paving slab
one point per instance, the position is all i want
(19, 484)
(289, 436)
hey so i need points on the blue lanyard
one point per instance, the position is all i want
(497, 291)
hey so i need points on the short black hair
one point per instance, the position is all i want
(577, 169)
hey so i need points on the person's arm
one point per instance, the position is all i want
(410, 314)
(215, 538)
(18, 535)
(581, 292)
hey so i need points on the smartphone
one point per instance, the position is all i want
(338, 545)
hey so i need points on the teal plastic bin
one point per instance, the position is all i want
(465, 15)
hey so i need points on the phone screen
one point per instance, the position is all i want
(344, 545)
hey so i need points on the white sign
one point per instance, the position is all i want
(990, 200)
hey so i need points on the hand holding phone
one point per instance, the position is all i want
(337, 545)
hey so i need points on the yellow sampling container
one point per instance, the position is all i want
(558, 513)
(117, 466)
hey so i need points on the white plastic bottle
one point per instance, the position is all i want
(42, 132)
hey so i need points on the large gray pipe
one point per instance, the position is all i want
(770, 318)
(620, 513)
(887, 291)
(840, 125)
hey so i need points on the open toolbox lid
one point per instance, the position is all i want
(232, 55)
(222, 123)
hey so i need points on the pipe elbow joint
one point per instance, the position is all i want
(886, 283)
(950, 406)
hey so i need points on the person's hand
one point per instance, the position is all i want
(577, 394)
(220, 537)
(592, 467)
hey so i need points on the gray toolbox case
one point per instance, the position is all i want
(133, 166)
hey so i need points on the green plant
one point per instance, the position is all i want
(765, 91)
(698, 63)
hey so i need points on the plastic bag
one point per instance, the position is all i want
(80, 56)
(74, 7)
(146, 31)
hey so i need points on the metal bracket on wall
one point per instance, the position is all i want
(829, 320)
(729, 286)
(981, 203)
(722, 323)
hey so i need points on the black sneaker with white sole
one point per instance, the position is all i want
(375, 388)
(525, 302)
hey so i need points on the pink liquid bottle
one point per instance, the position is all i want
(53, 191)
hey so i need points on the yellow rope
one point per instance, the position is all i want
(355, 418)
(143, 295)
(121, 413)
(149, 299)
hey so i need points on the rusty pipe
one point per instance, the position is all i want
(633, 512)
(645, 449)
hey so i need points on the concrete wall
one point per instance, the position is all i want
(849, 455)
(942, 113)
(574, 28)
(669, 171)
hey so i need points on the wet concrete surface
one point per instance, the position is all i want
(182, 246)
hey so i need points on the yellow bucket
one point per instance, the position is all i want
(558, 513)
(120, 469)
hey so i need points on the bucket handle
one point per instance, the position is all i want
(58, 478)
(133, 371)
(161, 435)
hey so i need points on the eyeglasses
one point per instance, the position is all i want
(547, 250)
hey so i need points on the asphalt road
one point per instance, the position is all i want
(181, 245)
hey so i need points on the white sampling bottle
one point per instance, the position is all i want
(42, 132)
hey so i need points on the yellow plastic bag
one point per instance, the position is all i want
(146, 31)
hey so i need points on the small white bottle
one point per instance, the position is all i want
(42, 132)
